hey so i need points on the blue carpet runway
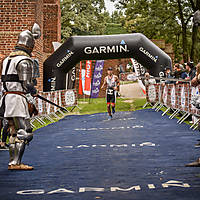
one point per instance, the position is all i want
(136, 156)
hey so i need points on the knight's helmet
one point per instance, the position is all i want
(27, 38)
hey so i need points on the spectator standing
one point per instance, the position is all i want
(169, 75)
(191, 70)
(149, 80)
(121, 69)
(179, 72)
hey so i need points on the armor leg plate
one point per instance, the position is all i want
(16, 152)
(19, 141)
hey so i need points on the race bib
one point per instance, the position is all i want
(110, 91)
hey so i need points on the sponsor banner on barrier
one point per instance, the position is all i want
(183, 98)
(194, 93)
(152, 93)
(174, 96)
(187, 100)
(40, 106)
(165, 95)
(60, 98)
(55, 100)
(160, 92)
(48, 106)
(130, 76)
(64, 98)
(98, 70)
(70, 98)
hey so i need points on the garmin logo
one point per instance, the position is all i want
(154, 58)
(69, 54)
(130, 188)
(53, 83)
(106, 49)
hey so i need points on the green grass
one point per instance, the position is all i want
(91, 106)
(139, 103)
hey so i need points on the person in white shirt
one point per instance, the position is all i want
(112, 83)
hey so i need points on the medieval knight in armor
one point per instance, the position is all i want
(18, 83)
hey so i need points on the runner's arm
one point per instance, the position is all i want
(104, 83)
(117, 84)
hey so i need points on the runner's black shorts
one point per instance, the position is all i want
(111, 96)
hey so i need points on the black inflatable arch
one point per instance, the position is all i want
(102, 47)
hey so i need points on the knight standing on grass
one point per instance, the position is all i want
(112, 83)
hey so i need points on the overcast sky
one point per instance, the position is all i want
(109, 6)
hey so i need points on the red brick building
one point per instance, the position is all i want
(19, 15)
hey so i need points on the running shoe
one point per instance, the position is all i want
(113, 110)
(110, 117)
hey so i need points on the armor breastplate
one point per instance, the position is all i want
(9, 73)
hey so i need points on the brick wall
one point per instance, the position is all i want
(52, 17)
(15, 16)
(166, 47)
(19, 15)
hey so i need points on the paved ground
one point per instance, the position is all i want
(131, 91)
(136, 156)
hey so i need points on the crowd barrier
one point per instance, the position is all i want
(177, 98)
(63, 98)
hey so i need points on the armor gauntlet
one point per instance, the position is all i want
(25, 73)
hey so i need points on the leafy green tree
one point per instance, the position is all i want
(117, 17)
(115, 23)
(164, 19)
(82, 17)
(195, 53)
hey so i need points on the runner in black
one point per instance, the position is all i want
(112, 83)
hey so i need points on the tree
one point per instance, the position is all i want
(164, 19)
(116, 17)
(194, 48)
(81, 17)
